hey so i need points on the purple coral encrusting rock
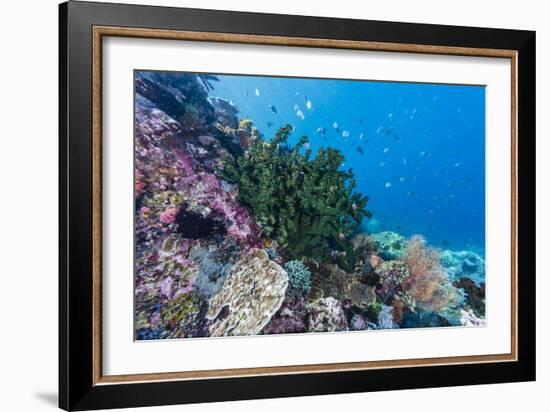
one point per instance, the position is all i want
(327, 315)
(181, 203)
(290, 318)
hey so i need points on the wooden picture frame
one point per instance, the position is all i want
(82, 384)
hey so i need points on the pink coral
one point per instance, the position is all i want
(166, 287)
(169, 215)
(156, 319)
(144, 211)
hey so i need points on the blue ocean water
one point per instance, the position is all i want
(417, 150)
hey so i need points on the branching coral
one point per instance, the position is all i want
(307, 204)
(299, 276)
(427, 283)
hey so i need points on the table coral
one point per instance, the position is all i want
(251, 294)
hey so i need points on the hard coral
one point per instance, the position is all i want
(251, 294)
(299, 276)
(391, 274)
(290, 318)
(327, 315)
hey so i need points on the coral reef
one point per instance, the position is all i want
(326, 315)
(475, 295)
(251, 294)
(299, 276)
(392, 274)
(385, 318)
(389, 245)
(462, 264)
(292, 317)
(469, 318)
(213, 265)
(423, 320)
(427, 282)
(236, 234)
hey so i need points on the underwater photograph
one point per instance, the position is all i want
(281, 205)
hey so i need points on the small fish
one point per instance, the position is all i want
(308, 104)
(404, 160)
(296, 107)
(360, 150)
(411, 193)
(335, 125)
(269, 124)
(456, 164)
(360, 121)
(386, 149)
(401, 179)
(389, 130)
(466, 180)
(361, 136)
(445, 243)
(379, 130)
(396, 137)
(382, 164)
(387, 185)
(321, 131)
(423, 153)
(390, 115)
(272, 108)
(345, 134)
(246, 93)
(257, 92)
(300, 114)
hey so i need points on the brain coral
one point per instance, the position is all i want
(250, 296)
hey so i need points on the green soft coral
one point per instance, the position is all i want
(307, 204)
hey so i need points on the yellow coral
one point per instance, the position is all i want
(245, 124)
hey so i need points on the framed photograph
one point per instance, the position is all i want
(257, 205)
